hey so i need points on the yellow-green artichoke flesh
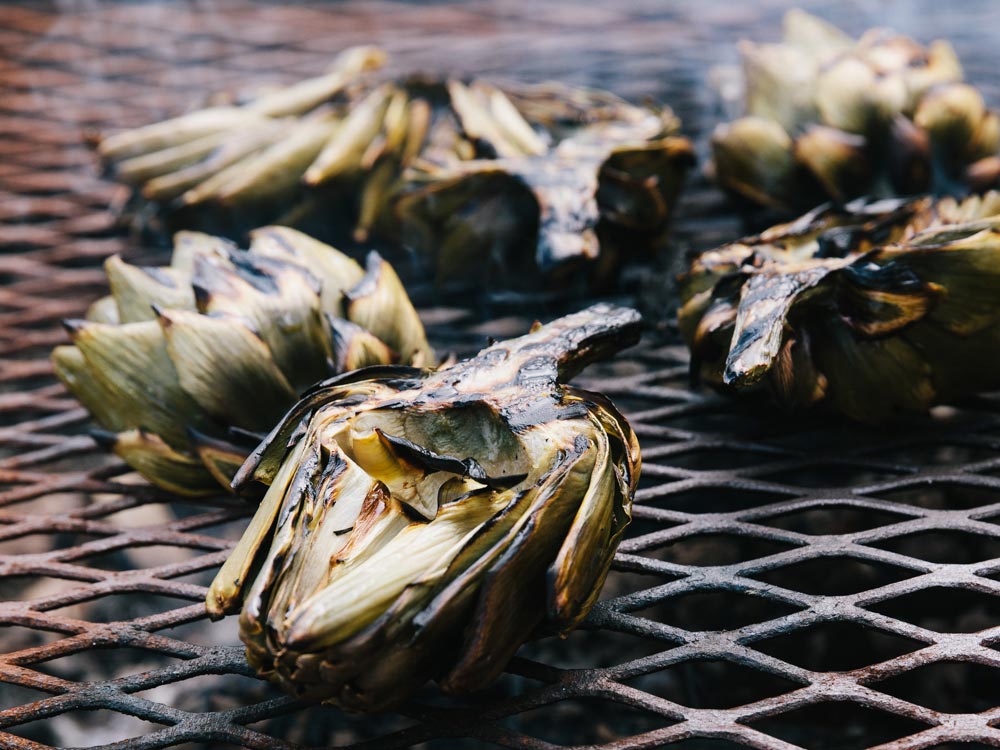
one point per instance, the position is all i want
(423, 524)
(874, 309)
(511, 186)
(830, 118)
(181, 360)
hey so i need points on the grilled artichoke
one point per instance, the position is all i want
(830, 118)
(874, 308)
(176, 357)
(422, 524)
(601, 191)
(485, 182)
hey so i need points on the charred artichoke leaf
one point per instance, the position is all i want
(336, 271)
(212, 171)
(378, 303)
(354, 347)
(423, 524)
(850, 306)
(494, 211)
(310, 93)
(273, 172)
(227, 369)
(351, 143)
(131, 363)
(222, 340)
(880, 115)
(138, 290)
(148, 454)
(171, 133)
(281, 302)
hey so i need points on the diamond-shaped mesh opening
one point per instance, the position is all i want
(836, 646)
(17, 637)
(712, 459)
(230, 529)
(704, 743)
(209, 692)
(830, 520)
(98, 664)
(708, 549)
(620, 582)
(703, 683)
(12, 696)
(708, 499)
(584, 649)
(41, 542)
(147, 556)
(835, 576)
(944, 546)
(643, 525)
(192, 629)
(151, 514)
(936, 454)
(85, 728)
(458, 744)
(944, 609)
(832, 475)
(715, 610)
(943, 496)
(586, 721)
(124, 606)
(323, 726)
(30, 587)
(949, 686)
(843, 725)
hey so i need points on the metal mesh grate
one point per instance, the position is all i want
(784, 584)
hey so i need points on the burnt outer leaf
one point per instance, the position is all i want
(222, 340)
(423, 524)
(877, 116)
(853, 306)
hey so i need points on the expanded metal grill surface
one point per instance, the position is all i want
(785, 583)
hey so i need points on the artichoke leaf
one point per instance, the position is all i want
(338, 271)
(123, 360)
(148, 454)
(225, 595)
(226, 368)
(378, 303)
(138, 289)
(513, 598)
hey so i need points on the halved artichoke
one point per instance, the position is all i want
(179, 361)
(874, 309)
(483, 181)
(831, 118)
(422, 524)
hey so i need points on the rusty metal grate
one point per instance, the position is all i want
(801, 584)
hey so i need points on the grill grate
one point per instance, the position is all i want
(784, 584)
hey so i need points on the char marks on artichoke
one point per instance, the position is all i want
(514, 185)
(827, 117)
(179, 360)
(875, 308)
(423, 524)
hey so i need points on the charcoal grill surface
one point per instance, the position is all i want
(785, 584)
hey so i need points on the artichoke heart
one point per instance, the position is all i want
(179, 361)
(422, 524)
(494, 185)
(875, 308)
(827, 117)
